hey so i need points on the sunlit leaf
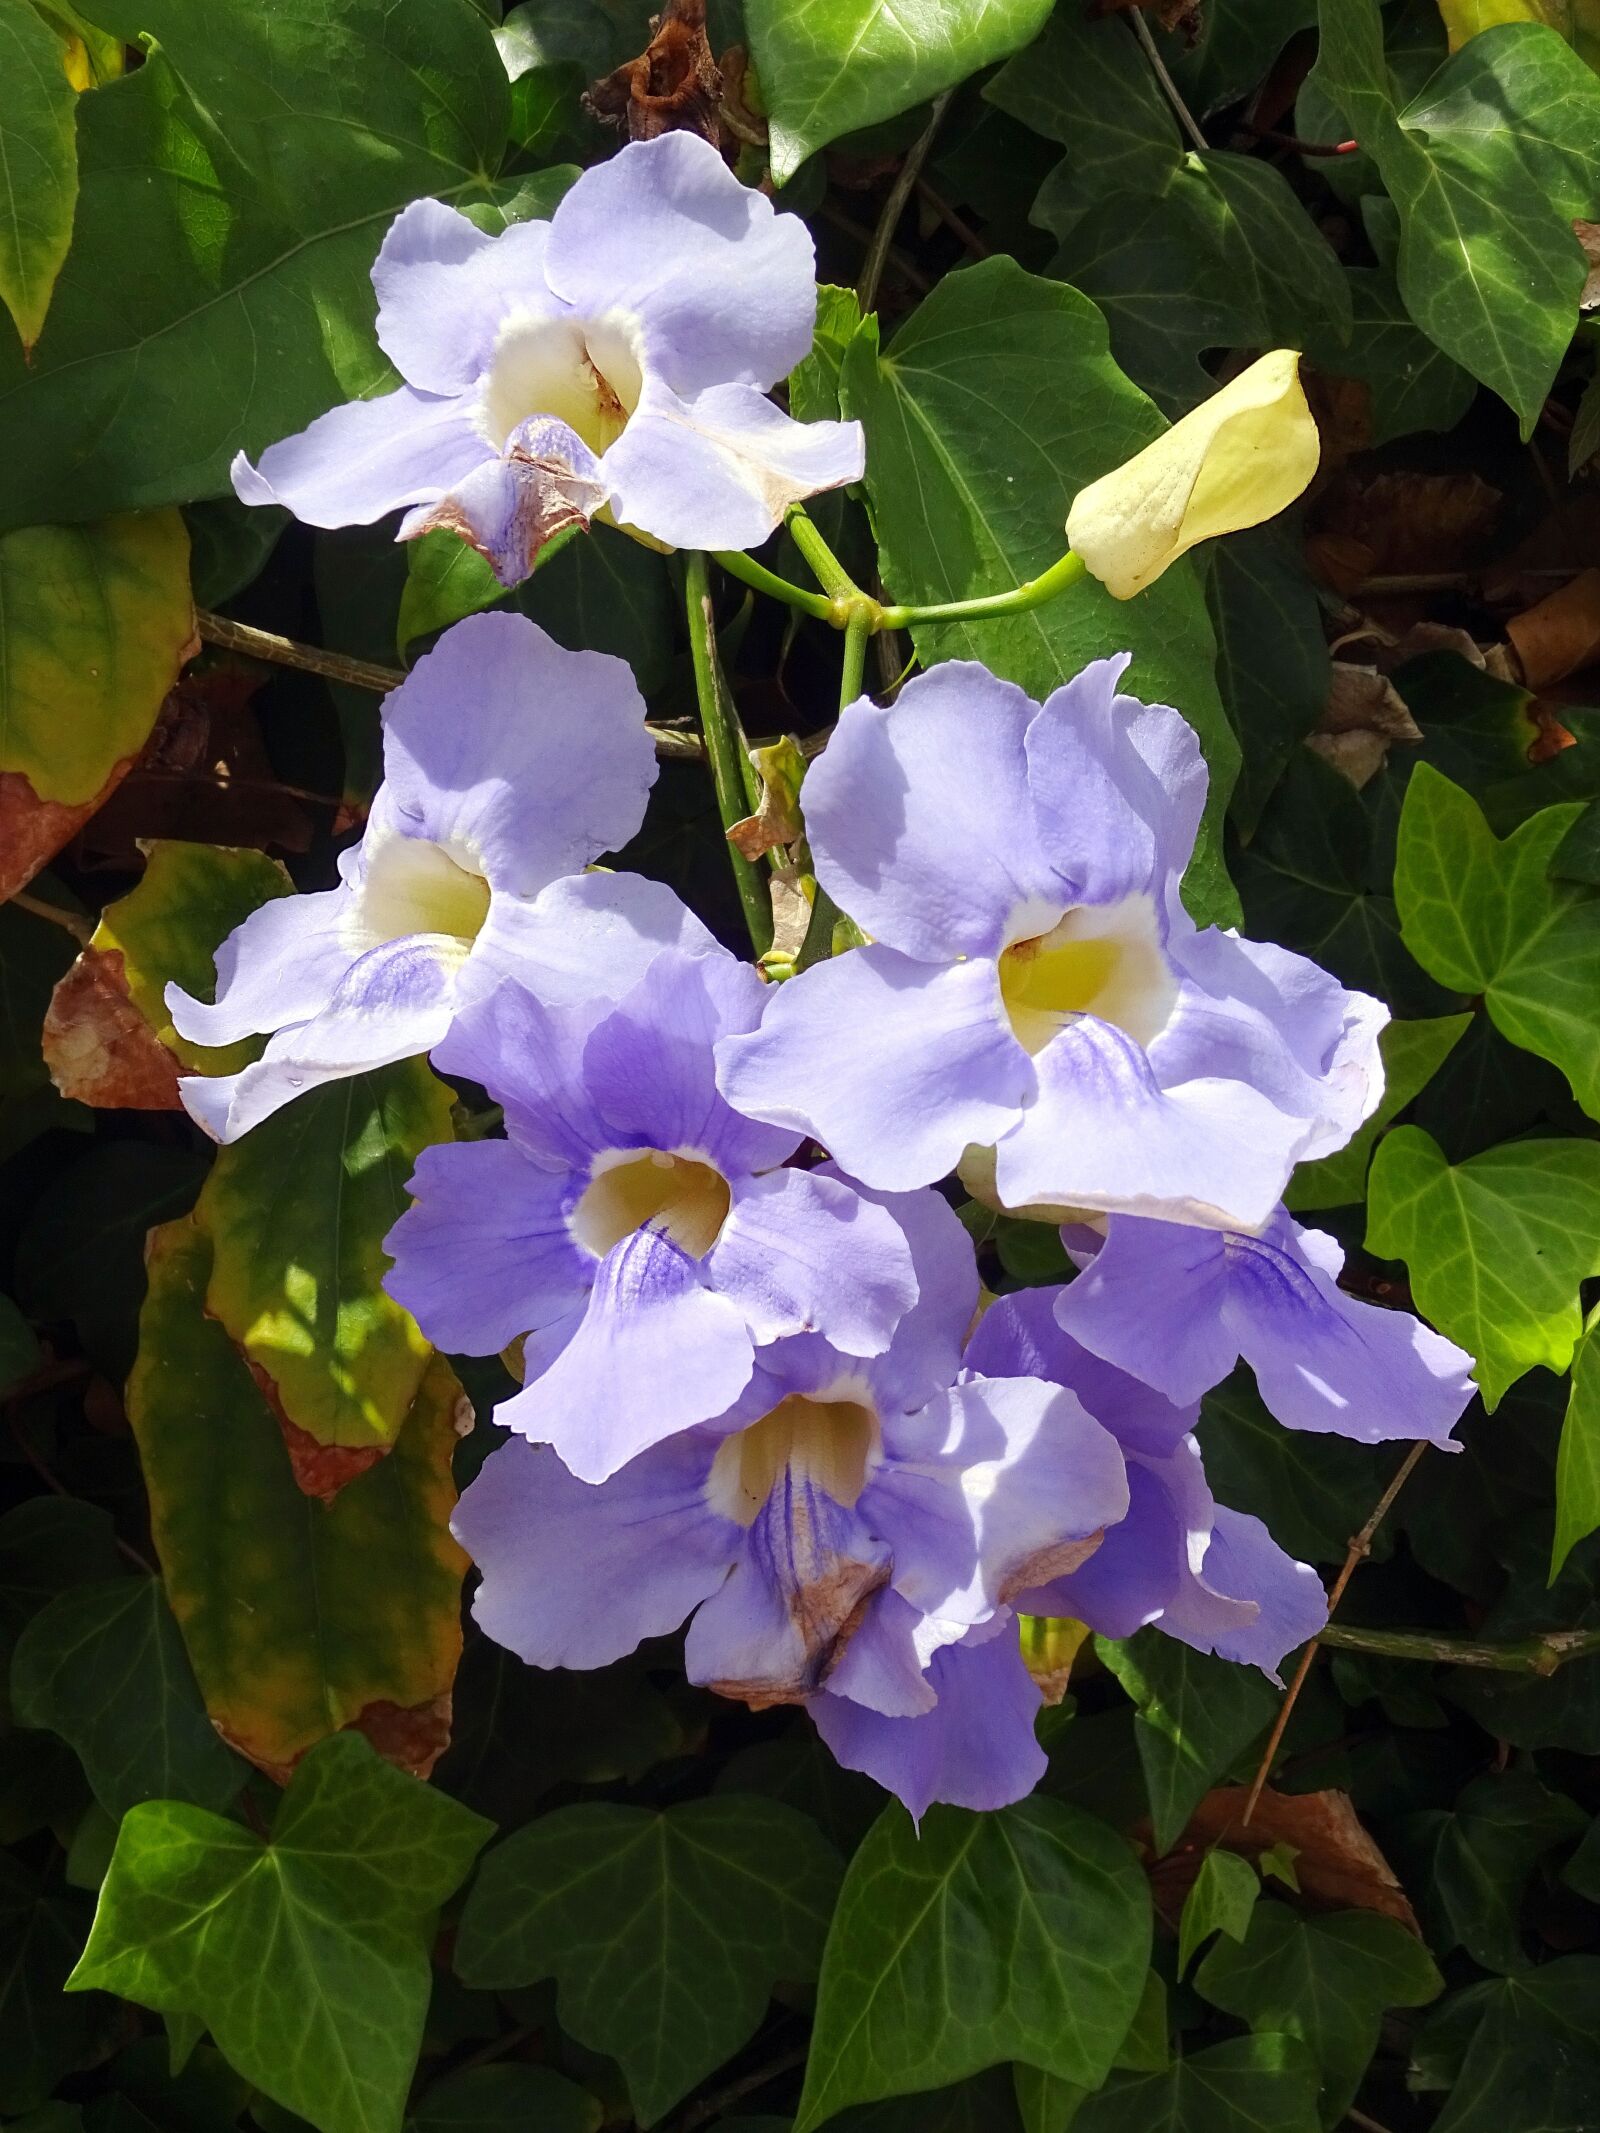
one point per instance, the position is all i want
(38, 164)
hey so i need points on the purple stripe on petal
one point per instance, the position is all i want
(1020, 1336)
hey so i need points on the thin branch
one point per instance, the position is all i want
(957, 226)
(1360, 1548)
(57, 1488)
(1294, 143)
(1359, 2118)
(1158, 67)
(1542, 1653)
(81, 929)
(894, 207)
(233, 636)
(714, 2105)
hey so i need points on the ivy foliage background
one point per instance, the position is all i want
(280, 1847)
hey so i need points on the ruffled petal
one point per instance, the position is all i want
(526, 758)
(721, 285)
(282, 964)
(544, 481)
(586, 937)
(975, 1749)
(365, 459)
(444, 289)
(1105, 1134)
(1131, 1577)
(1245, 1564)
(721, 469)
(894, 1065)
(577, 1576)
(1152, 1300)
(529, 1057)
(1021, 1336)
(649, 1065)
(1117, 788)
(801, 1253)
(994, 1486)
(882, 1662)
(656, 1352)
(919, 818)
(483, 1255)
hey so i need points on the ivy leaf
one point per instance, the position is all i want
(1412, 1054)
(1221, 1899)
(1470, 1863)
(1018, 1935)
(306, 1956)
(47, 1545)
(329, 1615)
(104, 1666)
(99, 621)
(505, 2099)
(296, 1213)
(1326, 1981)
(1197, 1715)
(43, 2035)
(833, 66)
(992, 406)
(149, 381)
(665, 1932)
(1243, 2086)
(1515, 2051)
(1578, 1460)
(1311, 1492)
(1496, 1246)
(1489, 165)
(1084, 82)
(1483, 916)
(38, 164)
(1272, 659)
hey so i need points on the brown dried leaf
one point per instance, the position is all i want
(99, 1048)
(32, 830)
(674, 86)
(1414, 523)
(1588, 235)
(1337, 1864)
(1560, 633)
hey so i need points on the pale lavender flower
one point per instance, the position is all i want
(509, 764)
(614, 359)
(842, 1528)
(1180, 1306)
(1034, 991)
(642, 1239)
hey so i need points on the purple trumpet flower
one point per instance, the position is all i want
(1034, 993)
(843, 1529)
(509, 764)
(614, 359)
(1181, 1306)
(637, 1234)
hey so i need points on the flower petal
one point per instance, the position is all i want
(1243, 1563)
(919, 817)
(1151, 1300)
(925, 1351)
(483, 1255)
(529, 758)
(577, 1576)
(881, 1662)
(530, 1059)
(585, 937)
(976, 1748)
(656, 1353)
(801, 1254)
(1021, 1336)
(721, 285)
(894, 1065)
(721, 469)
(365, 459)
(545, 481)
(281, 964)
(1131, 1577)
(444, 288)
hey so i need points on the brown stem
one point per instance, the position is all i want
(1360, 1547)
(894, 206)
(57, 1488)
(953, 222)
(1158, 67)
(1542, 1653)
(81, 929)
(714, 2105)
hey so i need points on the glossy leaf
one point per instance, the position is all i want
(298, 1616)
(1576, 20)
(306, 1955)
(1311, 1492)
(1022, 1934)
(1084, 82)
(990, 408)
(1326, 1981)
(666, 1932)
(104, 1666)
(48, 1545)
(255, 216)
(1496, 1247)
(1243, 2086)
(1578, 1461)
(296, 1213)
(38, 164)
(1220, 1900)
(1197, 1716)
(98, 622)
(1488, 165)
(830, 67)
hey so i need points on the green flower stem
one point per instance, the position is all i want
(1033, 593)
(844, 594)
(757, 576)
(857, 630)
(1542, 1653)
(723, 752)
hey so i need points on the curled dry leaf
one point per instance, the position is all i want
(1362, 716)
(673, 86)
(98, 1046)
(1588, 235)
(1560, 633)
(1337, 1864)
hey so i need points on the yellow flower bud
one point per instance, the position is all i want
(1239, 458)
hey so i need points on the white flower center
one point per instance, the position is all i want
(830, 1443)
(632, 1188)
(585, 375)
(414, 886)
(1098, 959)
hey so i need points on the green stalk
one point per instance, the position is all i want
(842, 590)
(757, 576)
(1034, 592)
(723, 749)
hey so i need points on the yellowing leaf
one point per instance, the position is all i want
(98, 621)
(38, 164)
(1576, 20)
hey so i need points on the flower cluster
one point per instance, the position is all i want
(760, 1394)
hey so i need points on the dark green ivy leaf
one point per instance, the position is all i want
(505, 2099)
(1472, 1863)
(1248, 2085)
(1197, 1716)
(43, 2034)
